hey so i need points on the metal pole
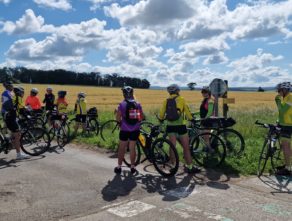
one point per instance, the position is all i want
(225, 106)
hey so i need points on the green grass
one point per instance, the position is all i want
(253, 135)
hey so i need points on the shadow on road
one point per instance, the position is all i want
(120, 185)
(12, 163)
(279, 184)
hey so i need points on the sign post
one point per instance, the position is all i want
(218, 88)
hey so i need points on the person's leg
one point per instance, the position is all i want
(286, 147)
(121, 150)
(16, 141)
(132, 146)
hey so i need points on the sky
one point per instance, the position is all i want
(247, 42)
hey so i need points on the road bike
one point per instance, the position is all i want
(271, 149)
(157, 150)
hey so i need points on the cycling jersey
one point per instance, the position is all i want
(49, 101)
(61, 105)
(183, 109)
(80, 106)
(207, 108)
(7, 102)
(18, 104)
(33, 102)
(285, 109)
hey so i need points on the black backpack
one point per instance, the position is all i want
(172, 112)
(133, 114)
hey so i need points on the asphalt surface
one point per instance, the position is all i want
(79, 184)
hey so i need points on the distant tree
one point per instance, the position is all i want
(192, 85)
(260, 89)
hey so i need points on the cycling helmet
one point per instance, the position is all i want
(7, 83)
(81, 95)
(34, 91)
(206, 89)
(18, 90)
(49, 89)
(284, 85)
(62, 94)
(128, 91)
(173, 89)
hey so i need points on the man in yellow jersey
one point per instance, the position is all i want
(173, 110)
(284, 104)
(80, 110)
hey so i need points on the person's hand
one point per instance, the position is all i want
(278, 97)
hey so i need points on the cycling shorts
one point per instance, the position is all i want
(80, 118)
(11, 122)
(286, 132)
(129, 135)
(179, 130)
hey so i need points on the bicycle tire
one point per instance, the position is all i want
(93, 126)
(234, 141)
(264, 156)
(159, 156)
(210, 155)
(35, 141)
(127, 160)
(110, 128)
(62, 138)
(277, 158)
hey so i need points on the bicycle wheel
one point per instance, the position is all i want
(35, 141)
(93, 126)
(62, 137)
(277, 157)
(164, 157)
(110, 129)
(234, 141)
(208, 150)
(264, 156)
(127, 159)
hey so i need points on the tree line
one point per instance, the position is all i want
(60, 76)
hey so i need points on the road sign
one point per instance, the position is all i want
(218, 87)
(228, 100)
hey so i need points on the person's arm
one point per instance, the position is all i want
(187, 111)
(45, 99)
(162, 111)
(278, 101)
(75, 107)
(119, 114)
(210, 108)
(27, 101)
(38, 103)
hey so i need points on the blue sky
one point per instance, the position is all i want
(247, 42)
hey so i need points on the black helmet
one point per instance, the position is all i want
(128, 91)
(173, 89)
(284, 85)
(7, 83)
(206, 89)
(62, 94)
(18, 90)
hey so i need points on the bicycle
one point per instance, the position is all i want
(33, 141)
(60, 129)
(271, 149)
(157, 150)
(92, 124)
(206, 148)
(233, 140)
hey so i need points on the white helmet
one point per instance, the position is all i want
(173, 89)
(34, 91)
(49, 89)
(284, 85)
(81, 95)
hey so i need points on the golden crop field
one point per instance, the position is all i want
(108, 98)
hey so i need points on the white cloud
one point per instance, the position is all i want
(96, 4)
(150, 12)
(28, 23)
(216, 59)
(55, 4)
(5, 1)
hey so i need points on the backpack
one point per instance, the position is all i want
(133, 114)
(172, 112)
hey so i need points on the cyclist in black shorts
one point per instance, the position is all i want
(9, 113)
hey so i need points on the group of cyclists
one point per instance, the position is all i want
(14, 107)
(129, 114)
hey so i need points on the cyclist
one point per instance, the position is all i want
(80, 110)
(61, 103)
(33, 101)
(284, 104)
(207, 105)
(173, 110)
(49, 99)
(10, 118)
(18, 100)
(130, 115)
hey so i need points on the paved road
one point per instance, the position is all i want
(79, 184)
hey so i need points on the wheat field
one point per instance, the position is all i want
(106, 99)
